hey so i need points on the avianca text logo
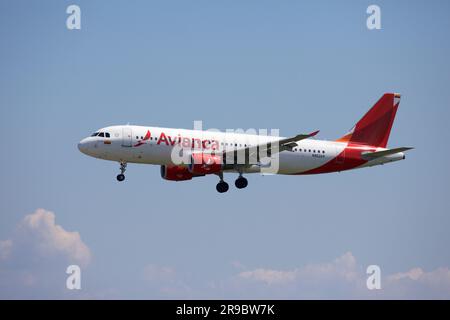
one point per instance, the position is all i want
(184, 142)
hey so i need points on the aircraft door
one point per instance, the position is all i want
(126, 137)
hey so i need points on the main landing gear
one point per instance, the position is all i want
(123, 167)
(222, 186)
(241, 182)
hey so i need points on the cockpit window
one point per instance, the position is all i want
(101, 134)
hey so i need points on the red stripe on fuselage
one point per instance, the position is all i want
(349, 158)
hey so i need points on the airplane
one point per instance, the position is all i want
(211, 152)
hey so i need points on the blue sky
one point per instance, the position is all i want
(296, 66)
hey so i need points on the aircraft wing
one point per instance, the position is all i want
(378, 154)
(268, 149)
(289, 143)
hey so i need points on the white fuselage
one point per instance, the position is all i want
(154, 145)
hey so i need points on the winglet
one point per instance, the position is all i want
(314, 133)
(291, 142)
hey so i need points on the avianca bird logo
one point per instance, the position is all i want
(142, 141)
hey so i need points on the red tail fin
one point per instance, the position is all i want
(374, 128)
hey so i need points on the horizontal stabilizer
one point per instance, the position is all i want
(378, 154)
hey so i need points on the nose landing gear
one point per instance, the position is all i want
(123, 167)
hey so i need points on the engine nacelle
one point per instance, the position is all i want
(175, 173)
(204, 163)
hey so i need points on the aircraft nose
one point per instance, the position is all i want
(83, 146)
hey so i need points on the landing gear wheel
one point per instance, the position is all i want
(241, 183)
(123, 168)
(222, 187)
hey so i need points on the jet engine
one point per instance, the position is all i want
(205, 163)
(175, 173)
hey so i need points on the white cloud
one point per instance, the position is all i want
(34, 259)
(323, 280)
(420, 284)
(342, 278)
(269, 276)
(40, 232)
(343, 267)
(413, 274)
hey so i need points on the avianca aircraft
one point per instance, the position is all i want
(207, 152)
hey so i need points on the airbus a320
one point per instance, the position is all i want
(208, 152)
